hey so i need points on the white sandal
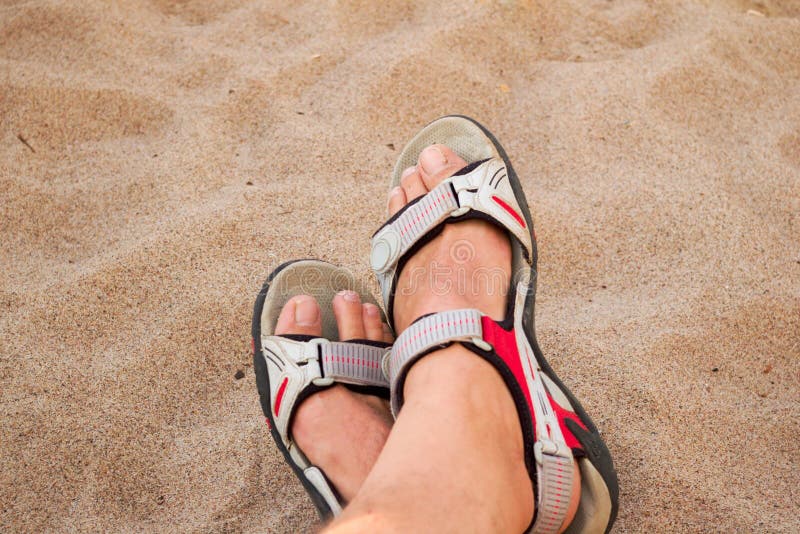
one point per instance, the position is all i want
(289, 368)
(555, 427)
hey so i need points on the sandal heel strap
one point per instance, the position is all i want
(317, 478)
(554, 477)
(552, 457)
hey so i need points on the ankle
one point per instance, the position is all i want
(456, 372)
(469, 390)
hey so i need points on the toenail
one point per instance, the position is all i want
(432, 160)
(409, 171)
(350, 296)
(395, 191)
(306, 312)
(371, 310)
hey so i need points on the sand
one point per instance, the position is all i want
(158, 159)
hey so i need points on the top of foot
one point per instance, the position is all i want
(468, 265)
(329, 425)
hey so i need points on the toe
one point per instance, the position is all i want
(438, 162)
(397, 199)
(388, 335)
(373, 326)
(348, 312)
(412, 184)
(301, 315)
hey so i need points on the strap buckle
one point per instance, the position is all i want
(313, 353)
(465, 191)
(549, 447)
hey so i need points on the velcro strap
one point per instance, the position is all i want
(353, 363)
(426, 334)
(393, 240)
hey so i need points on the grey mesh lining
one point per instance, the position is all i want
(462, 136)
(317, 278)
(595, 504)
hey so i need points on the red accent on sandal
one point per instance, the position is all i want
(505, 345)
(563, 414)
(509, 209)
(279, 398)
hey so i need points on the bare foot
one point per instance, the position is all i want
(457, 443)
(340, 431)
(468, 265)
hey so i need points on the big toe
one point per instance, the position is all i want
(438, 162)
(300, 315)
(435, 163)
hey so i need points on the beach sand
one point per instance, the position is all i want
(158, 159)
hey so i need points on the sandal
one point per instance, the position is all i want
(289, 367)
(555, 427)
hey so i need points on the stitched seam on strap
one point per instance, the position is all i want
(435, 327)
(345, 361)
(335, 358)
(423, 214)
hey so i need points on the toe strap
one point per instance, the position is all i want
(296, 366)
(400, 233)
(353, 363)
(482, 189)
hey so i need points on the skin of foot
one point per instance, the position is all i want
(340, 431)
(454, 460)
